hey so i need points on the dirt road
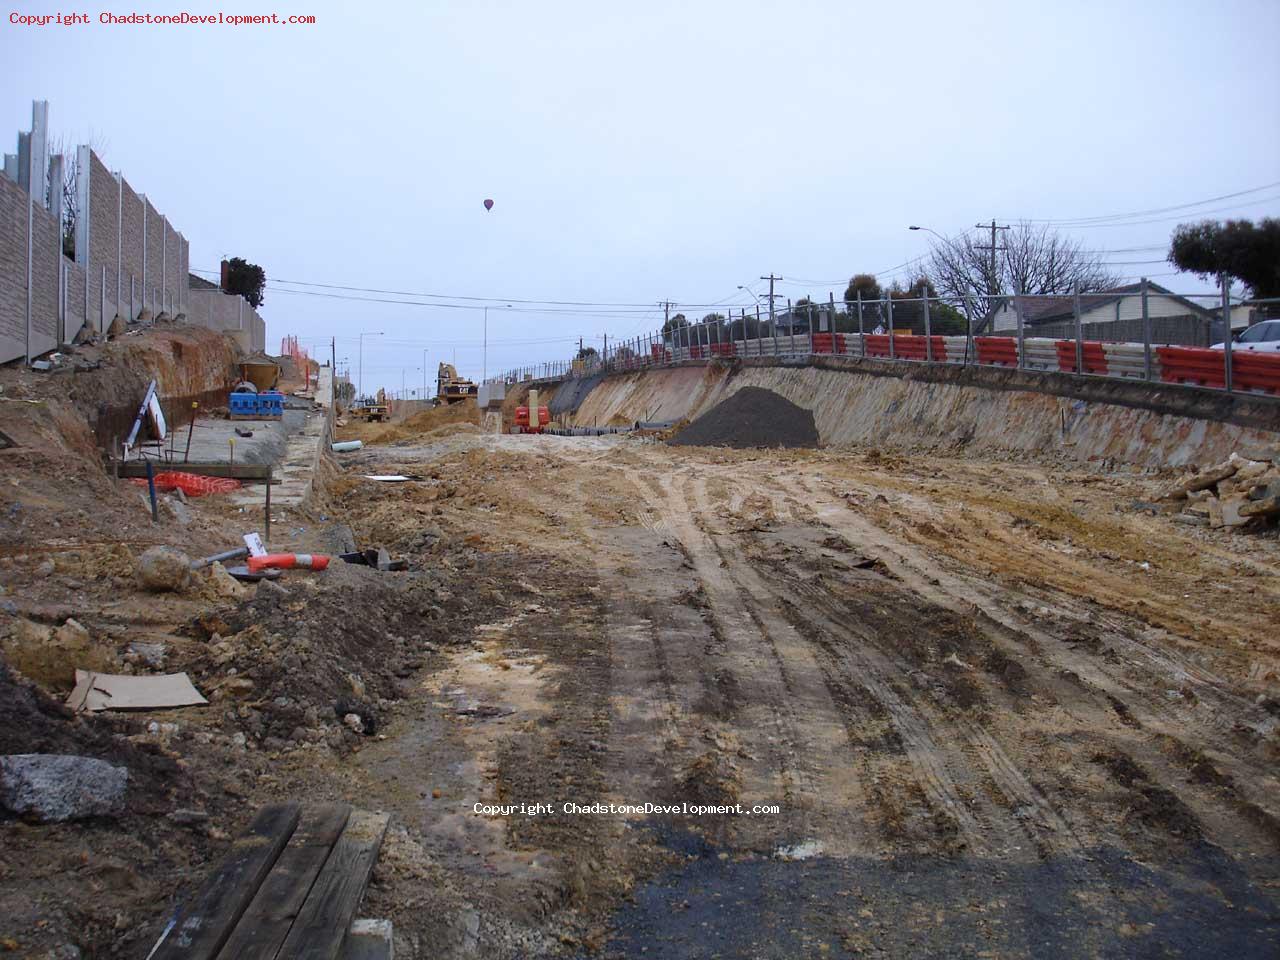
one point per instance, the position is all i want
(998, 711)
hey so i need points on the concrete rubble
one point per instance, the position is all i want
(1239, 492)
(53, 788)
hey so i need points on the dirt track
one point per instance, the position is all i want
(1000, 712)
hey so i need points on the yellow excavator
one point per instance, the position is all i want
(450, 388)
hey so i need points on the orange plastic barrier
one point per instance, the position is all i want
(878, 345)
(724, 349)
(828, 343)
(192, 484)
(1257, 372)
(1095, 358)
(696, 352)
(1194, 365)
(912, 347)
(1002, 351)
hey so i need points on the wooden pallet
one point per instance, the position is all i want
(289, 889)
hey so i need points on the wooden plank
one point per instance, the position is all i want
(267, 920)
(202, 929)
(321, 927)
(237, 471)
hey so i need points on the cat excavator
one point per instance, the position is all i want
(450, 388)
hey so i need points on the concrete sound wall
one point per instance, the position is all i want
(229, 313)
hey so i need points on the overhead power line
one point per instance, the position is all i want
(1110, 217)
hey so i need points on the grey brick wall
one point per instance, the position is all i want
(154, 231)
(13, 271)
(131, 229)
(104, 197)
(75, 299)
(219, 311)
(172, 279)
(45, 261)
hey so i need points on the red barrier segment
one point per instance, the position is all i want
(1001, 351)
(877, 345)
(910, 346)
(828, 343)
(1194, 365)
(1255, 372)
(1095, 357)
(724, 349)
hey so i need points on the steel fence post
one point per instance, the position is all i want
(1017, 312)
(808, 317)
(968, 327)
(1146, 332)
(1226, 332)
(893, 350)
(928, 329)
(862, 334)
(831, 319)
(1075, 310)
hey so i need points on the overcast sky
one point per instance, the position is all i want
(669, 150)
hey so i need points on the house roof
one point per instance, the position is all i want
(1036, 310)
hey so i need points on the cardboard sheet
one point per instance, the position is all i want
(107, 691)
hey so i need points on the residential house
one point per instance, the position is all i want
(1114, 314)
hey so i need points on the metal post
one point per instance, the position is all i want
(808, 316)
(267, 539)
(1226, 332)
(862, 333)
(893, 352)
(831, 318)
(928, 329)
(151, 489)
(1146, 333)
(1075, 310)
(968, 326)
(1017, 312)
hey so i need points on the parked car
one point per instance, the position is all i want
(1263, 337)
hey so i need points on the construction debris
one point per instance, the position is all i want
(53, 788)
(95, 692)
(164, 569)
(1239, 492)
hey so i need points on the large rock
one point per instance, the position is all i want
(52, 787)
(164, 568)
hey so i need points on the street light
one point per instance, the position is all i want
(424, 373)
(360, 378)
(934, 232)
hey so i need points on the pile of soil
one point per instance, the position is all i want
(33, 722)
(424, 422)
(752, 417)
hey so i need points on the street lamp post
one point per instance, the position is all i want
(424, 373)
(360, 380)
(484, 363)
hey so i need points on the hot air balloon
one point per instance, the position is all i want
(488, 204)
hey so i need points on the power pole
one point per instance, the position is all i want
(771, 278)
(993, 227)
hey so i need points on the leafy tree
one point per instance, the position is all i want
(588, 353)
(1244, 250)
(864, 283)
(246, 279)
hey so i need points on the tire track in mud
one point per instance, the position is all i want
(759, 701)
(1106, 698)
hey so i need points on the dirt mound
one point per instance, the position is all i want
(428, 421)
(33, 722)
(752, 417)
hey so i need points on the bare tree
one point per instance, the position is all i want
(70, 196)
(1031, 259)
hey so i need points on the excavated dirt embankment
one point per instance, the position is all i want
(1153, 426)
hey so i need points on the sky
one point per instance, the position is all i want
(645, 152)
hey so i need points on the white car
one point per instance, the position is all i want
(1262, 337)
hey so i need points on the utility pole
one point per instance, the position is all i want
(993, 227)
(771, 278)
